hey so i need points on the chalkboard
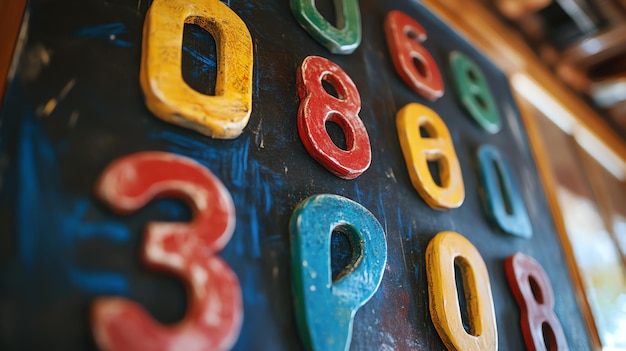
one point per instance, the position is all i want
(75, 105)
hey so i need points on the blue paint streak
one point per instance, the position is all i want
(358, 193)
(254, 233)
(99, 282)
(268, 197)
(105, 32)
(178, 140)
(240, 164)
(113, 231)
(27, 190)
(209, 62)
(250, 290)
(204, 62)
(173, 208)
(49, 221)
(277, 236)
(250, 183)
(381, 208)
(400, 223)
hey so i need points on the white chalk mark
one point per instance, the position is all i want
(406, 266)
(259, 136)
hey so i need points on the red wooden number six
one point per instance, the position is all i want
(188, 250)
(413, 62)
(533, 293)
(317, 107)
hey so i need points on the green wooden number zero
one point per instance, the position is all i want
(344, 38)
(474, 93)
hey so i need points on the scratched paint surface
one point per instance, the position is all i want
(75, 105)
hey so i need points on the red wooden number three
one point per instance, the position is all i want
(318, 107)
(188, 250)
(533, 292)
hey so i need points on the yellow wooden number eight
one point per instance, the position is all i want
(444, 251)
(437, 147)
(168, 96)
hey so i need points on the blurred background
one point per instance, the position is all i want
(583, 44)
(582, 41)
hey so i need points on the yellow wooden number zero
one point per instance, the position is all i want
(444, 251)
(168, 96)
(437, 147)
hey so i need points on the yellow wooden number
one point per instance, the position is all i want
(444, 251)
(168, 96)
(436, 147)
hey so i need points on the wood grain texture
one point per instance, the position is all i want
(445, 251)
(222, 116)
(436, 147)
(550, 187)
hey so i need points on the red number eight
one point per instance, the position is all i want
(533, 293)
(317, 107)
(188, 250)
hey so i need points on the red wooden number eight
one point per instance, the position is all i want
(533, 293)
(188, 250)
(413, 62)
(317, 107)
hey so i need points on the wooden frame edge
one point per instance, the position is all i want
(11, 16)
(549, 186)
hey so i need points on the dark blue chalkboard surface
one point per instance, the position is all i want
(75, 104)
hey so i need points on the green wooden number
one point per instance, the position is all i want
(474, 93)
(344, 38)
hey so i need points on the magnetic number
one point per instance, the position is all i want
(317, 107)
(412, 61)
(168, 96)
(474, 93)
(437, 147)
(344, 38)
(188, 250)
(533, 293)
(325, 309)
(503, 200)
(444, 251)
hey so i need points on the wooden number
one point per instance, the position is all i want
(317, 107)
(502, 197)
(474, 93)
(325, 309)
(533, 292)
(344, 38)
(412, 61)
(444, 251)
(437, 147)
(168, 96)
(188, 250)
